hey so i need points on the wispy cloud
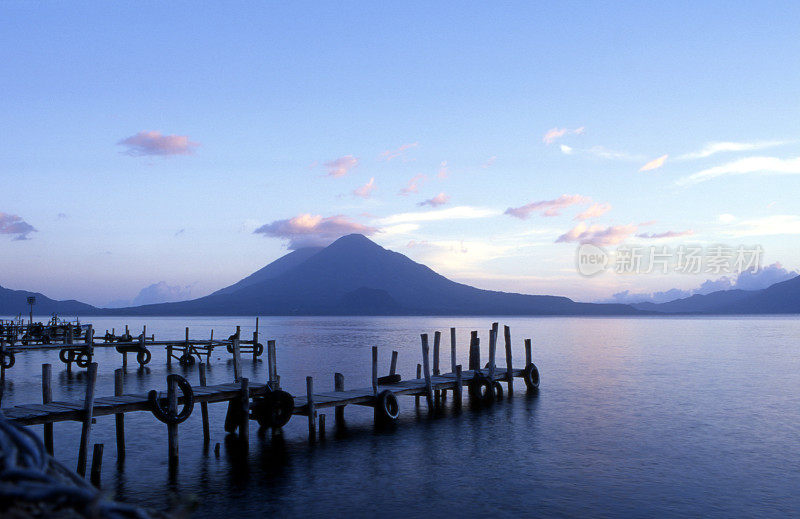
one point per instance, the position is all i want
(655, 163)
(154, 143)
(566, 150)
(452, 213)
(398, 152)
(489, 162)
(14, 225)
(438, 200)
(553, 134)
(662, 235)
(748, 165)
(547, 207)
(778, 224)
(307, 230)
(366, 190)
(444, 170)
(600, 152)
(341, 166)
(712, 148)
(413, 184)
(595, 210)
(597, 234)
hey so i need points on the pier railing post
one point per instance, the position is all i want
(426, 368)
(119, 418)
(312, 412)
(255, 342)
(88, 409)
(437, 339)
(474, 351)
(47, 397)
(509, 363)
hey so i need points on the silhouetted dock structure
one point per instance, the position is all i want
(271, 406)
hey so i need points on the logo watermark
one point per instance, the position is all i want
(683, 259)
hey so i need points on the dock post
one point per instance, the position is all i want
(453, 350)
(437, 339)
(321, 427)
(338, 385)
(244, 425)
(509, 363)
(47, 397)
(97, 464)
(186, 347)
(312, 412)
(119, 418)
(474, 351)
(169, 352)
(426, 368)
(237, 360)
(172, 429)
(255, 342)
(210, 347)
(88, 409)
(528, 353)
(374, 371)
(492, 350)
(271, 364)
(204, 406)
(393, 365)
(457, 390)
(419, 376)
(70, 340)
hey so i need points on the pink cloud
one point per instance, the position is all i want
(594, 211)
(388, 155)
(597, 234)
(553, 134)
(654, 164)
(12, 224)
(307, 230)
(547, 207)
(154, 143)
(668, 234)
(366, 190)
(436, 201)
(341, 166)
(444, 170)
(413, 184)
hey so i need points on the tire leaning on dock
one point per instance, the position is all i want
(498, 390)
(274, 409)
(160, 412)
(186, 359)
(143, 357)
(83, 359)
(531, 376)
(8, 359)
(387, 406)
(481, 389)
(66, 356)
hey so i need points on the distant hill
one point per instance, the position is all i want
(355, 276)
(273, 270)
(780, 298)
(13, 302)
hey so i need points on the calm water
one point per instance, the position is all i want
(636, 418)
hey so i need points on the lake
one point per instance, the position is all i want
(636, 417)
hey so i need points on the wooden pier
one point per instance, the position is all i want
(271, 406)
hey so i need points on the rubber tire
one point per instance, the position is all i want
(258, 349)
(387, 406)
(187, 359)
(66, 356)
(274, 409)
(83, 359)
(143, 357)
(161, 413)
(481, 389)
(531, 376)
(9, 359)
(498, 390)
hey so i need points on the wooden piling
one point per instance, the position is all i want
(119, 418)
(244, 425)
(492, 351)
(169, 352)
(210, 347)
(321, 427)
(453, 350)
(393, 365)
(374, 370)
(509, 363)
(457, 390)
(255, 342)
(474, 351)
(338, 385)
(528, 353)
(88, 408)
(47, 397)
(312, 424)
(272, 364)
(419, 375)
(186, 346)
(437, 339)
(426, 368)
(97, 464)
(237, 360)
(204, 406)
(172, 429)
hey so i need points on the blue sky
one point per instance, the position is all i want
(146, 142)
